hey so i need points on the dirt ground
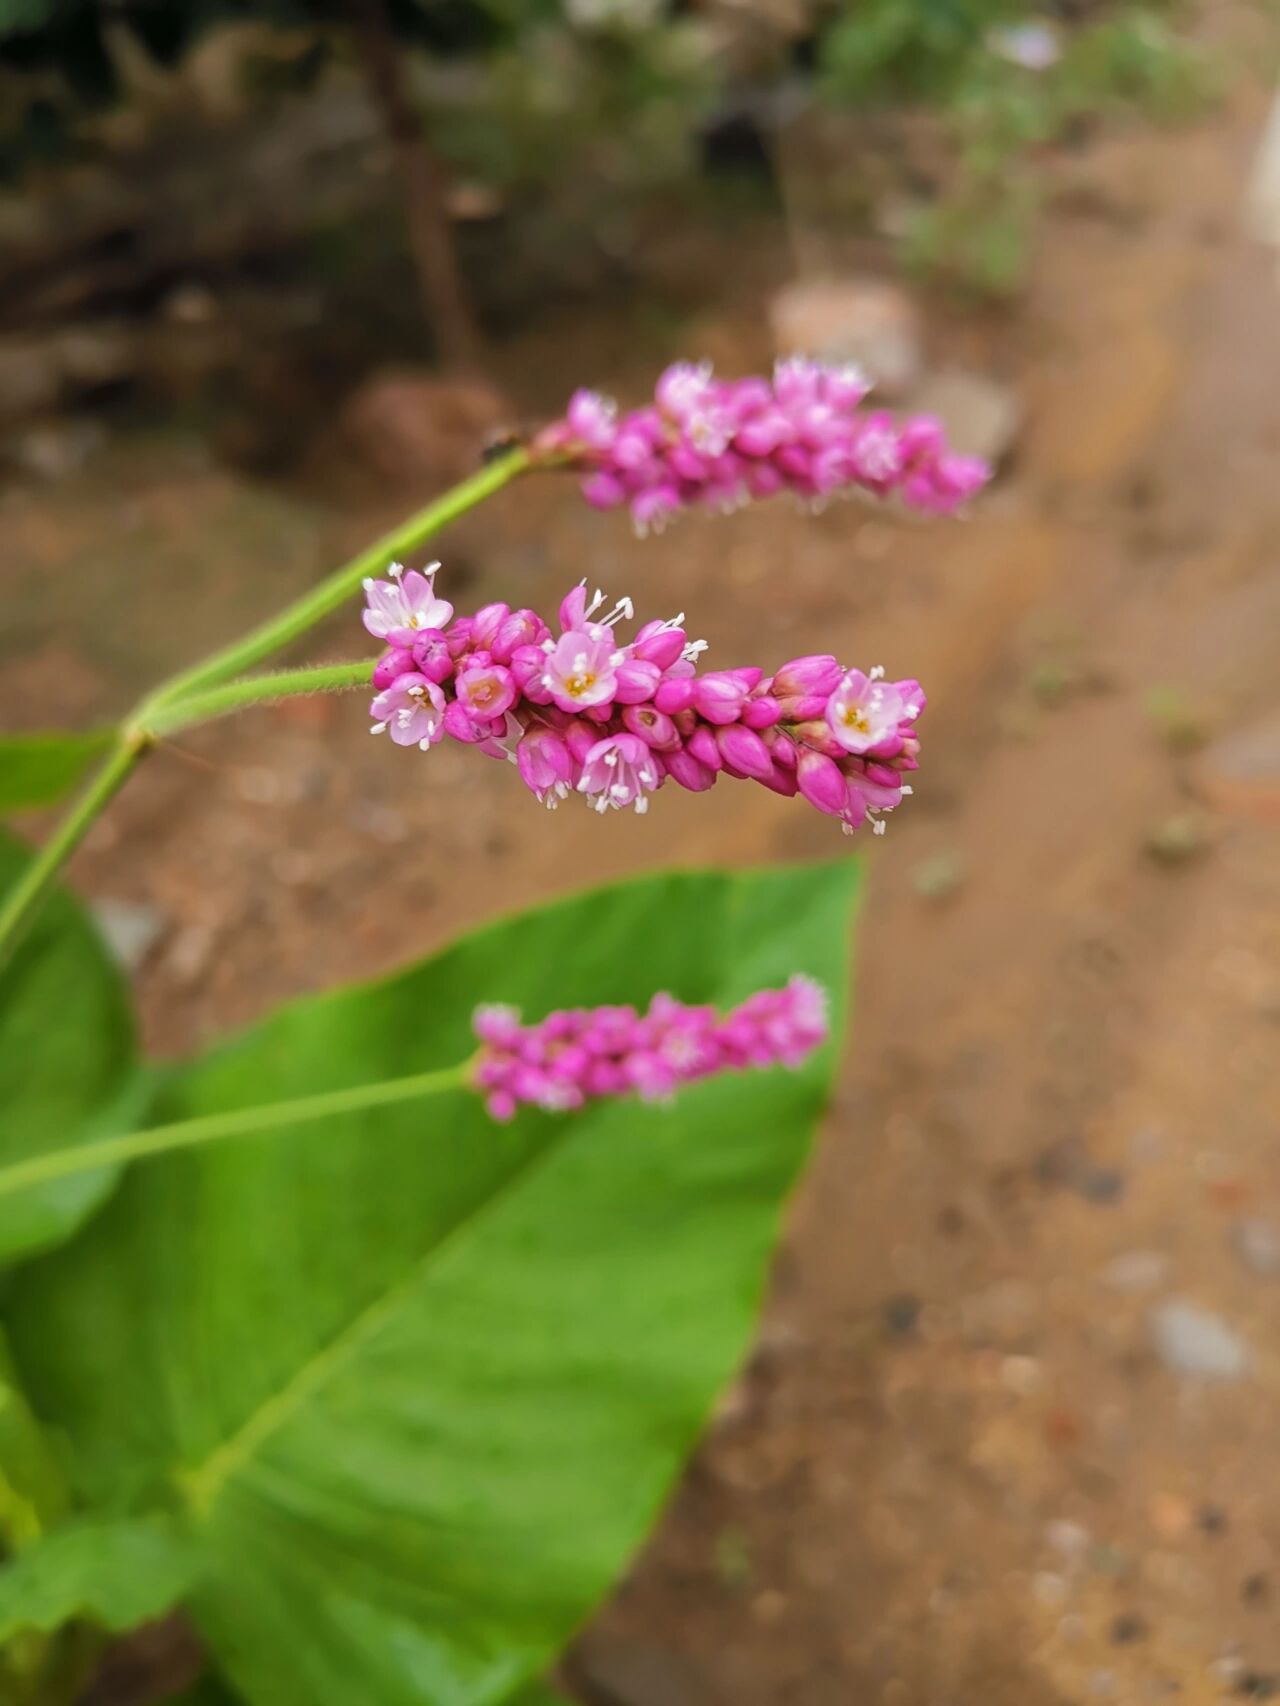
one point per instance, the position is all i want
(972, 1461)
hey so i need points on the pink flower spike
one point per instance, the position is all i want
(619, 771)
(399, 609)
(577, 1056)
(411, 711)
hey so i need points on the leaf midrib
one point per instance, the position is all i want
(201, 1485)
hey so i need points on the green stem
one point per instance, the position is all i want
(175, 714)
(146, 722)
(36, 879)
(212, 1128)
(332, 592)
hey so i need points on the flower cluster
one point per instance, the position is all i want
(583, 712)
(583, 1054)
(722, 443)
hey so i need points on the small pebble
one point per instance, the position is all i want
(1170, 1516)
(1193, 1341)
(130, 929)
(1100, 1184)
(1176, 840)
(1136, 1270)
(1259, 1685)
(1212, 1519)
(901, 1314)
(1129, 1626)
(1067, 1538)
(1257, 1243)
(1050, 1589)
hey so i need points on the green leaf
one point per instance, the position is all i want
(67, 1061)
(113, 1574)
(32, 1492)
(421, 1381)
(36, 770)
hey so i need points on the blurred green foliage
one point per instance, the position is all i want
(1004, 81)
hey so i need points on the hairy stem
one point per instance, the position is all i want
(168, 718)
(276, 633)
(213, 1128)
(31, 887)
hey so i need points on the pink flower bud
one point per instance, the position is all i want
(580, 737)
(822, 782)
(781, 781)
(744, 751)
(485, 624)
(528, 668)
(432, 657)
(604, 491)
(817, 734)
(703, 746)
(761, 713)
(521, 628)
(719, 697)
(819, 673)
(657, 730)
(783, 748)
(658, 644)
(676, 694)
(636, 681)
(683, 768)
(390, 665)
(459, 723)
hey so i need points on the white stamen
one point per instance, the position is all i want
(378, 729)
(876, 674)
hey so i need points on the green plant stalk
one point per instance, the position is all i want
(252, 690)
(33, 885)
(213, 1128)
(139, 730)
(277, 632)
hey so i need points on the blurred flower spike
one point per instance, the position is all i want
(585, 712)
(719, 444)
(583, 1055)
